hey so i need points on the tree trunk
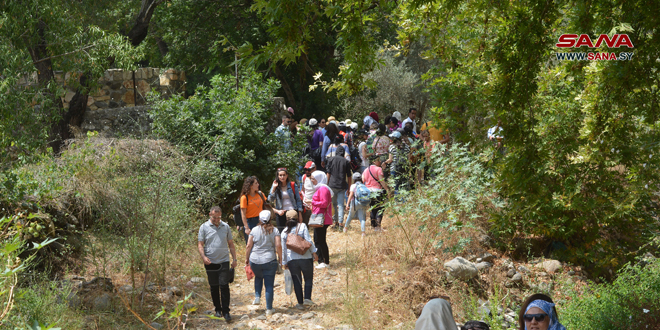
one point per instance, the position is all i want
(136, 35)
(140, 30)
(44, 66)
(286, 87)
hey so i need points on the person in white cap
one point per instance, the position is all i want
(263, 253)
(358, 206)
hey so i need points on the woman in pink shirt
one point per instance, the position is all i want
(374, 179)
(321, 202)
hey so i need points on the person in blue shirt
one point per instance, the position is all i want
(283, 132)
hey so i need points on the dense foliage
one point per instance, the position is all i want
(222, 129)
(632, 301)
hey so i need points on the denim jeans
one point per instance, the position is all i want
(264, 275)
(338, 206)
(361, 212)
(306, 267)
(252, 222)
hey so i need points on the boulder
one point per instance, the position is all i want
(550, 266)
(461, 268)
(517, 278)
(487, 257)
(483, 265)
(102, 303)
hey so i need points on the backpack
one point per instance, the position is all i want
(238, 218)
(362, 194)
(356, 160)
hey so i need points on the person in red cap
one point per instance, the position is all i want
(307, 191)
(374, 116)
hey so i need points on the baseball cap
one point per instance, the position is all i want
(348, 122)
(331, 118)
(395, 135)
(312, 122)
(291, 214)
(310, 164)
(342, 124)
(357, 176)
(290, 109)
(354, 126)
(264, 216)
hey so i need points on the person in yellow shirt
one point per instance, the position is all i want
(440, 135)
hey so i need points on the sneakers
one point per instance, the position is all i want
(344, 230)
(227, 317)
(218, 314)
(321, 266)
(299, 306)
(257, 301)
(269, 312)
(308, 302)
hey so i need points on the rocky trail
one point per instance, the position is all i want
(328, 282)
(332, 309)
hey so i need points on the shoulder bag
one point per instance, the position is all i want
(297, 243)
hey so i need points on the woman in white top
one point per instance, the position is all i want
(285, 194)
(263, 253)
(301, 266)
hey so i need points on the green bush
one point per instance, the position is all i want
(458, 194)
(632, 301)
(222, 130)
(44, 302)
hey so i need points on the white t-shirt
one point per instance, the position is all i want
(403, 124)
(363, 151)
(352, 188)
(309, 189)
(286, 201)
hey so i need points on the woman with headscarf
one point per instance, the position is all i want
(263, 253)
(436, 315)
(538, 313)
(321, 204)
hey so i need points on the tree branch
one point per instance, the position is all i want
(65, 54)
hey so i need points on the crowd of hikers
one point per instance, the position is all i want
(350, 170)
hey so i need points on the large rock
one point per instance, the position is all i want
(461, 268)
(550, 266)
(102, 303)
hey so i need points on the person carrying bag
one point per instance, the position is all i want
(300, 265)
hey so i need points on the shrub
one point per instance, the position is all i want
(632, 301)
(222, 129)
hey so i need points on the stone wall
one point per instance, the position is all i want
(118, 122)
(120, 88)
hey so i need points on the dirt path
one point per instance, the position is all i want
(329, 283)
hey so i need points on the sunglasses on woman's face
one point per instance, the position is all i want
(538, 317)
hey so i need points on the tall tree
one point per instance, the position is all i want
(54, 37)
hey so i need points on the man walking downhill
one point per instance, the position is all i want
(214, 243)
(338, 168)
